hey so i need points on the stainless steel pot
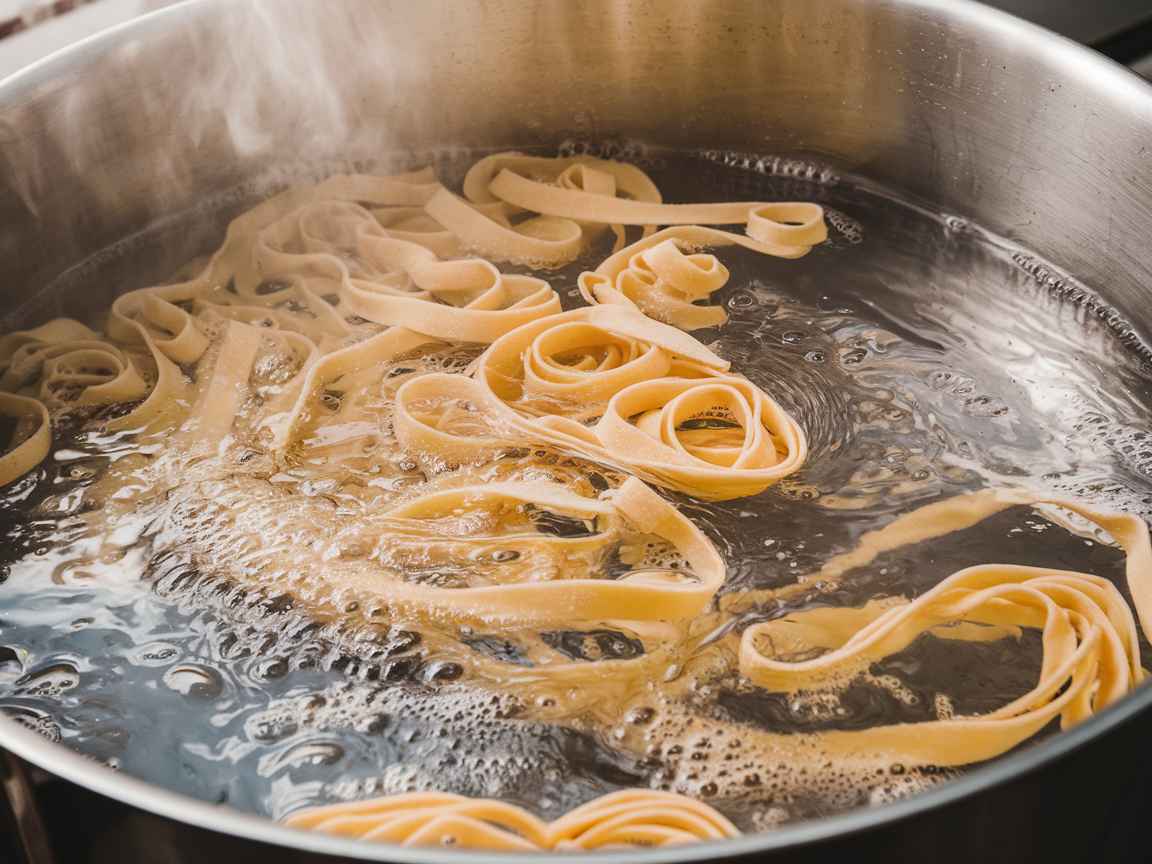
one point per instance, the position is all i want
(983, 115)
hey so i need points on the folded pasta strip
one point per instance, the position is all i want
(1090, 641)
(316, 291)
(616, 820)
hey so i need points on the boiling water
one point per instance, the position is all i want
(922, 357)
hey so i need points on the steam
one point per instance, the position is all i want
(203, 91)
(200, 98)
(290, 78)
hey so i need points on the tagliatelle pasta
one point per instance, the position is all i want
(446, 447)
(661, 281)
(638, 817)
(784, 225)
(83, 372)
(643, 595)
(617, 820)
(656, 276)
(542, 240)
(604, 177)
(1091, 648)
(601, 177)
(785, 229)
(430, 819)
(1088, 636)
(25, 454)
(617, 387)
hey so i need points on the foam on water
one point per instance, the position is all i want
(922, 357)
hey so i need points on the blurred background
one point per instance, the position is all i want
(30, 29)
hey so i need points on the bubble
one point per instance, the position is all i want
(308, 754)
(262, 727)
(194, 680)
(889, 396)
(640, 716)
(156, 654)
(853, 356)
(372, 724)
(11, 664)
(774, 166)
(438, 672)
(35, 720)
(848, 228)
(49, 680)
(269, 669)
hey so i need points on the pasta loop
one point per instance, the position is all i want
(439, 416)
(615, 386)
(617, 820)
(790, 227)
(716, 437)
(542, 241)
(1091, 648)
(664, 283)
(637, 817)
(430, 819)
(640, 595)
(82, 372)
(318, 334)
(35, 446)
(53, 332)
(467, 300)
(600, 177)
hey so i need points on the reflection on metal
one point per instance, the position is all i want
(1024, 133)
(1084, 22)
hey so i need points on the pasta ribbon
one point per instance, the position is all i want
(472, 300)
(1091, 648)
(640, 595)
(439, 416)
(785, 229)
(25, 455)
(430, 819)
(542, 241)
(612, 385)
(53, 332)
(414, 225)
(82, 372)
(638, 817)
(662, 282)
(745, 443)
(67, 364)
(656, 276)
(318, 334)
(601, 177)
(616, 820)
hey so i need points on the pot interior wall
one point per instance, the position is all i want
(985, 117)
(1015, 130)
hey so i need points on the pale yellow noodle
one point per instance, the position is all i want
(640, 381)
(638, 596)
(630, 818)
(35, 447)
(656, 275)
(313, 293)
(1091, 648)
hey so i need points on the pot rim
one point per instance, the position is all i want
(58, 759)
